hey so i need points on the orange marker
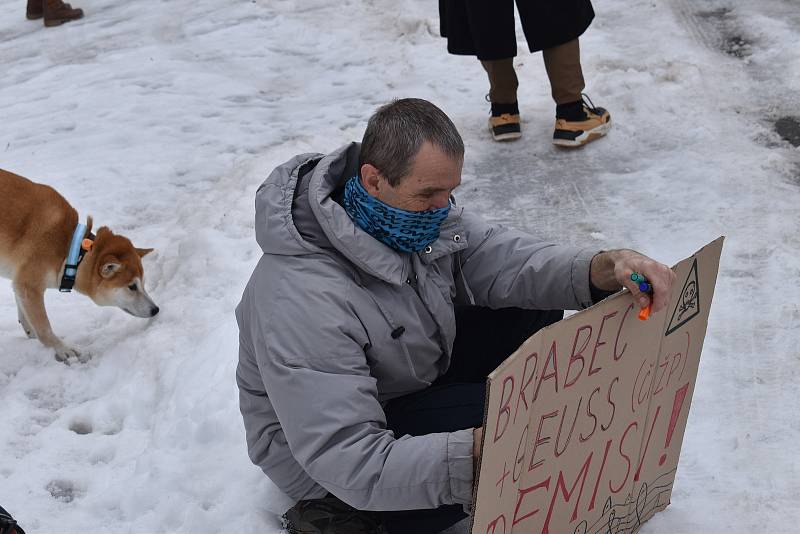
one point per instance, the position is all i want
(644, 287)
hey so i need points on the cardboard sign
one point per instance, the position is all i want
(584, 422)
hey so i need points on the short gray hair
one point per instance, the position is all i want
(396, 132)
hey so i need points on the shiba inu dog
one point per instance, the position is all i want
(43, 245)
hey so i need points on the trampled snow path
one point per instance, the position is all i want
(161, 119)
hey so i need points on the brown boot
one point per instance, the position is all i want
(57, 12)
(35, 9)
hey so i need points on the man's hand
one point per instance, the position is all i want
(477, 435)
(611, 269)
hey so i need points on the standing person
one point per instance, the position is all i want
(485, 28)
(371, 321)
(54, 12)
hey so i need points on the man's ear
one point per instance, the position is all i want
(110, 265)
(371, 179)
(142, 252)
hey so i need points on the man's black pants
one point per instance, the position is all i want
(484, 338)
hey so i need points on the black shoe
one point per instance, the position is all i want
(329, 515)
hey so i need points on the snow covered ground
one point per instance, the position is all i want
(161, 119)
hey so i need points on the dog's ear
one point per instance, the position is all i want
(110, 266)
(101, 239)
(142, 252)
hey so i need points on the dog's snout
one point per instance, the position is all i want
(153, 311)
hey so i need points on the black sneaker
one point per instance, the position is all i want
(329, 515)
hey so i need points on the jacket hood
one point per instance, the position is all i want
(296, 214)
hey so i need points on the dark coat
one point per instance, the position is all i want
(485, 28)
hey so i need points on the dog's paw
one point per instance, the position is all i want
(64, 353)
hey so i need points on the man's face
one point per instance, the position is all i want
(434, 175)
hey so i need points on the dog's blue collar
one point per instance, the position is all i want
(74, 257)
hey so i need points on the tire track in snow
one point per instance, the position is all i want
(725, 28)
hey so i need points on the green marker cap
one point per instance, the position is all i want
(636, 277)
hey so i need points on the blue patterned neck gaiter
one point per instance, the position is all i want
(405, 231)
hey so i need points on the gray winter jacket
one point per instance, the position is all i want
(316, 353)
